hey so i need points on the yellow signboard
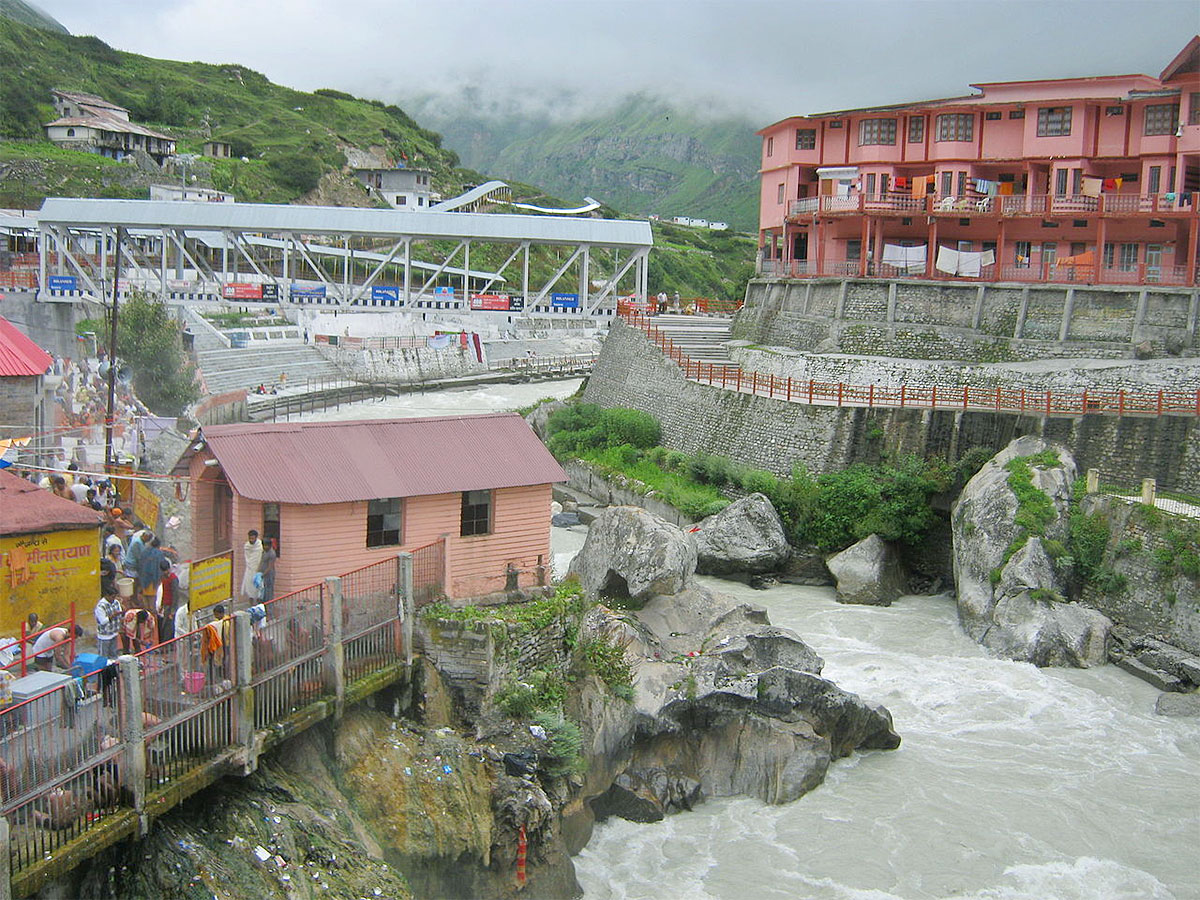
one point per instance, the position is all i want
(145, 504)
(210, 581)
(44, 573)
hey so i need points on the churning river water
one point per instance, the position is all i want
(1012, 782)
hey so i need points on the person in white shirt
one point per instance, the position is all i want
(45, 654)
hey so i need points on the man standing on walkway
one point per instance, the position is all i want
(252, 554)
(108, 623)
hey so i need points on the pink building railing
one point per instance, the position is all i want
(901, 203)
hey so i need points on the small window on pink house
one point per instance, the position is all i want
(384, 522)
(779, 198)
(916, 130)
(770, 146)
(1162, 118)
(476, 513)
(1054, 121)
(806, 139)
(956, 127)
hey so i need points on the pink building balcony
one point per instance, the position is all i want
(899, 204)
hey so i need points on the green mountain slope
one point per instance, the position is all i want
(28, 14)
(290, 138)
(643, 155)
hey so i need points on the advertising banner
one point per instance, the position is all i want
(145, 504)
(490, 301)
(444, 293)
(43, 573)
(564, 301)
(270, 291)
(61, 282)
(299, 290)
(240, 290)
(210, 581)
(385, 293)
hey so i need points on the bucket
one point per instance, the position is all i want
(193, 682)
(125, 587)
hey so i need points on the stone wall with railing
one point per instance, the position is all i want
(972, 322)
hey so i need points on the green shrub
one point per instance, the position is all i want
(970, 463)
(607, 660)
(542, 691)
(564, 744)
(756, 481)
(630, 426)
(296, 170)
(1089, 537)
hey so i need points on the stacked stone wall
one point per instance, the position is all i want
(972, 322)
(773, 434)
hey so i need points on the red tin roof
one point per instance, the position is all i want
(337, 462)
(26, 508)
(19, 355)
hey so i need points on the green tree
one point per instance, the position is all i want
(148, 341)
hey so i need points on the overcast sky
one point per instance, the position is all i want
(768, 60)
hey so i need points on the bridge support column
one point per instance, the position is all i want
(243, 643)
(404, 603)
(133, 738)
(335, 660)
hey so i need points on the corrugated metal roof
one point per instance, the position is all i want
(336, 462)
(19, 355)
(269, 218)
(26, 508)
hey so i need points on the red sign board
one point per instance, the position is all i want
(489, 301)
(238, 290)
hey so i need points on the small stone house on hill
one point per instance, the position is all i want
(90, 123)
(341, 495)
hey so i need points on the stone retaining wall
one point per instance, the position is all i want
(774, 434)
(403, 366)
(984, 322)
(582, 477)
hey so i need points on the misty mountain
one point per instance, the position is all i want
(641, 155)
(28, 14)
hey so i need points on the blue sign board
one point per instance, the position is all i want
(61, 282)
(444, 293)
(564, 301)
(301, 291)
(384, 293)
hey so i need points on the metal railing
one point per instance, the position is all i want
(1177, 504)
(100, 745)
(1119, 402)
(903, 203)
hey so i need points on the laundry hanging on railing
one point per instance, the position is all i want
(921, 185)
(967, 263)
(1112, 184)
(910, 259)
(984, 186)
(1090, 187)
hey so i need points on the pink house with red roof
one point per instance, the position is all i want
(23, 366)
(341, 495)
(1091, 179)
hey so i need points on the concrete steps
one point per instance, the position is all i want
(228, 369)
(699, 337)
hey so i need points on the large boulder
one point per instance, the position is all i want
(746, 536)
(868, 572)
(632, 555)
(1011, 594)
(540, 415)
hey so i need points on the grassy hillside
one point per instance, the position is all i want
(642, 156)
(28, 14)
(289, 137)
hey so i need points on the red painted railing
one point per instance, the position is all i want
(1119, 402)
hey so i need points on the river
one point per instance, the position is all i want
(1012, 782)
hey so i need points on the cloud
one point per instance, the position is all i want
(764, 59)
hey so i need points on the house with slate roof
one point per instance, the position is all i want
(341, 495)
(90, 123)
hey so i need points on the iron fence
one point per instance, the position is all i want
(429, 572)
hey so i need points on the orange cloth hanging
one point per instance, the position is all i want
(1006, 189)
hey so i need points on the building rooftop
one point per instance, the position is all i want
(109, 123)
(339, 462)
(19, 355)
(83, 99)
(26, 508)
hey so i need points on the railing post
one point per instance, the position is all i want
(243, 667)
(133, 737)
(871, 395)
(789, 392)
(335, 659)
(840, 386)
(5, 862)
(1148, 491)
(405, 602)
(1093, 481)
(966, 396)
(1121, 402)
(1158, 407)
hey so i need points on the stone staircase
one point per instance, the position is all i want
(699, 337)
(227, 369)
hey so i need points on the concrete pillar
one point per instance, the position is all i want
(1019, 330)
(243, 645)
(1093, 481)
(1068, 308)
(891, 310)
(133, 738)
(808, 286)
(1148, 490)
(977, 320)
(1193, 309)
(406, 603)
(1139, 316)
(841, 302)
(335, 659)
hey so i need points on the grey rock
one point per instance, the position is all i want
(630, 798)
(868, 572)
(540, 415)
(633, 555)
(1171, 704)
(564, 519)
(1161, 680)
(746, 536)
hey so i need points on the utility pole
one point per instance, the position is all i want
(112, 359)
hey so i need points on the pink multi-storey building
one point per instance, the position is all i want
(1084, 179)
